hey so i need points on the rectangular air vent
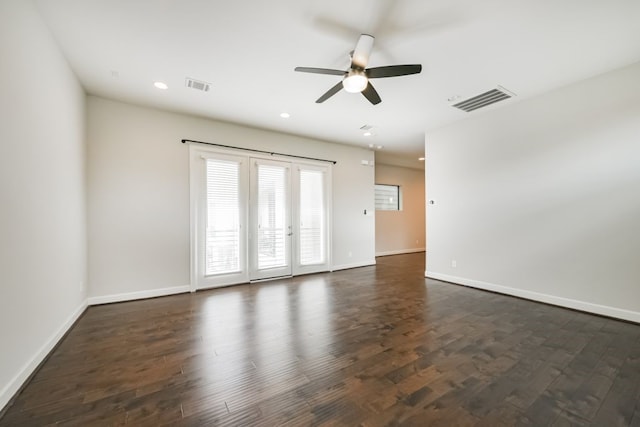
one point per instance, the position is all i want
(197, 84)
(366, 127)
(484, 99)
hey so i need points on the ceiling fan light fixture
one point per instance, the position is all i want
(355, 82)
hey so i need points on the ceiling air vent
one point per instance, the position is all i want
(484, 99)
(197, 84)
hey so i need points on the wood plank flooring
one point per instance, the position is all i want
(370, 346)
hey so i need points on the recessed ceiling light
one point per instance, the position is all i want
(379, 147)
(421, 159)
(161, 85)
(371, 145)
(285, 115)
(367, 134)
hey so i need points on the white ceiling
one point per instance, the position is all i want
(247, 50)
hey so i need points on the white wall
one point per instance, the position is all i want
(139, 195)
(401, 231)
(541, 199)
(42, 189)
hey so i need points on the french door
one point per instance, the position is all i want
(270, 219)
(257, 218)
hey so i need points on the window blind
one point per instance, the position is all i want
(312, 217)
(272, 216)
(387, 197)
(222, 242)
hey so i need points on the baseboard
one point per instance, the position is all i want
(400, 252)
(354, 265)
(10, 390)
(604, 310)
(130, 296)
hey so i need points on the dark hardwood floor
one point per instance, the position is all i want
(369, 346)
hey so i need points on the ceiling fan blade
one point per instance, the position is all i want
(328, 94)
(393, 71)
(371, 94)
(321, 71)
(361, 53)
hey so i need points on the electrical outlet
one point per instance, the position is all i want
(350, 254)
(454, 263)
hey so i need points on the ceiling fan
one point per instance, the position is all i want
(356, 78)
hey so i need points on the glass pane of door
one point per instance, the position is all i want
(222, 238)
(312, 217)
(272, 210)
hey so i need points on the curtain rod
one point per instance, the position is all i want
(272, 153)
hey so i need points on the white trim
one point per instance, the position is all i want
(131, 296)
(618, 313)
(28, 369)
(354, 265)
(400, 251)
(194, 183)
